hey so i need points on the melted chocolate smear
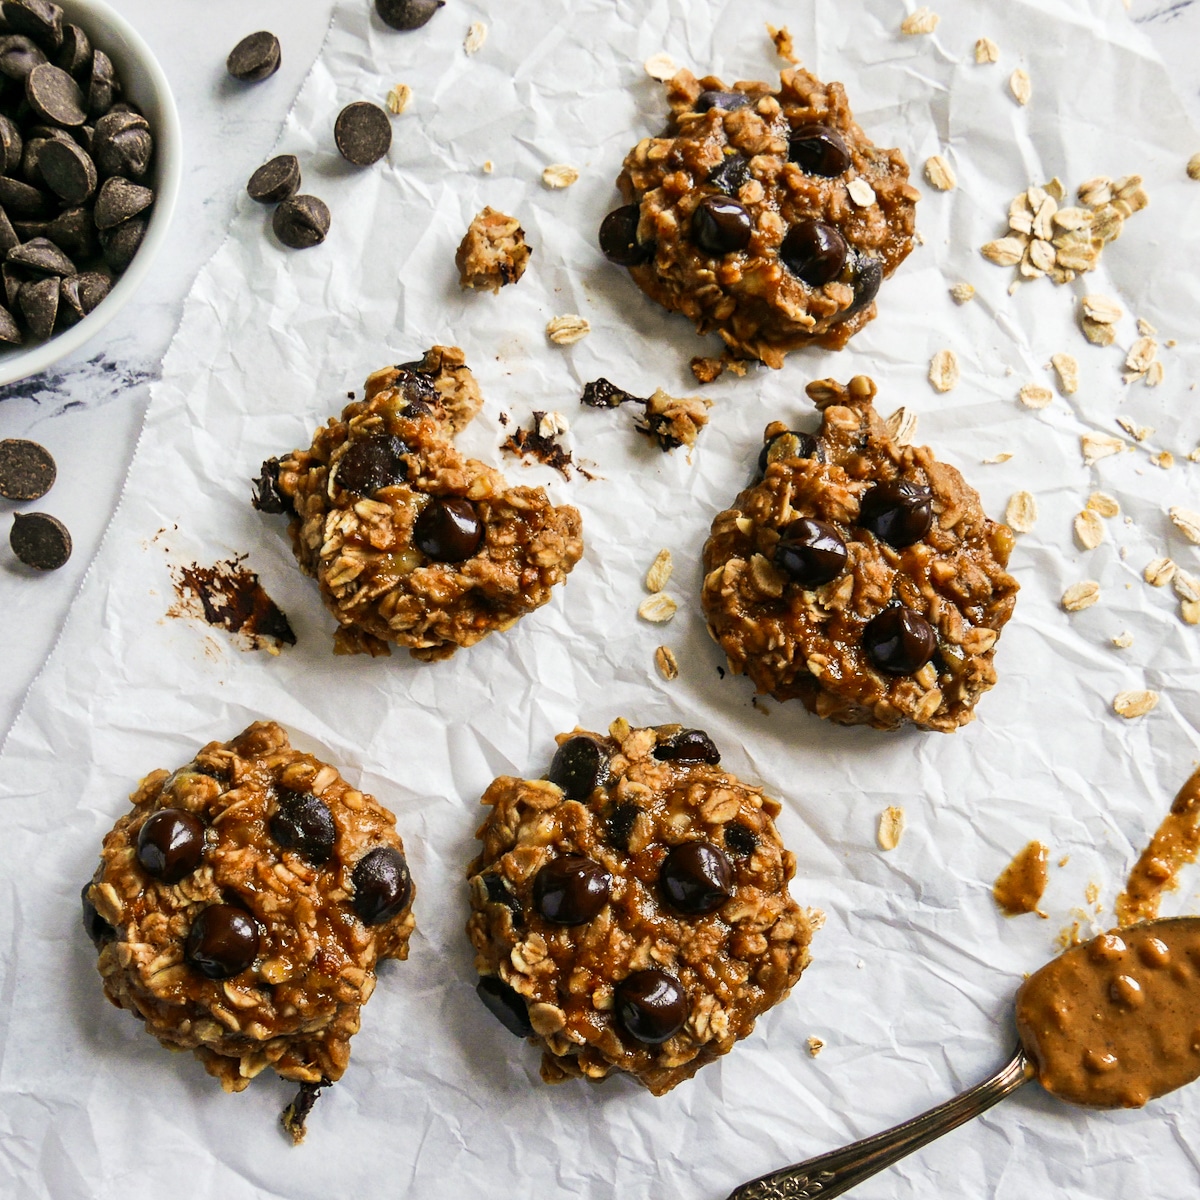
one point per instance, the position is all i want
(528, 443)
(267, 497)
(229, 596)
(293, 1117)
(600, 393)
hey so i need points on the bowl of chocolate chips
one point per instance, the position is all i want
(90, 168)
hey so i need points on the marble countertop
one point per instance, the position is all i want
(89, 409)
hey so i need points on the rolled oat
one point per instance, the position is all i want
(943, 370)
(1134, 704)
(1081, 595)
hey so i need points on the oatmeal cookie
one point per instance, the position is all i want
(409, 541)
(240, 908)
(859, 575)
(493, 251)
(631, 910)
(768, 216)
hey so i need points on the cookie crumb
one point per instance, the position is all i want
(986, 51)
(1033, 395)
(891, 827)
(921, 20)
(658, 608)
(540, 442)
(476, 35)
(943, 370)
(667, 664)
(660, 571)
(1066, 367)
(1122, 641)
(815, 1046)
(784, 46)
(399, 98)
(567, 329)
(493, 252)
(1134, 703)
(1021, 86)
(1021, 513)
(559, 175)
(1089, 529)
(940, 173)
(962, 292)
(661, 67)
(1080, 595)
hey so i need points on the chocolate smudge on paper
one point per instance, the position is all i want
(545, 448)
(229, 596)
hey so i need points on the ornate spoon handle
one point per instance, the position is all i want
(831, 1174)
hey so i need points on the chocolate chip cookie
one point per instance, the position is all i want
(240, 908)
(766, 215)
(630, 911)
(409, 541)
(859, 575)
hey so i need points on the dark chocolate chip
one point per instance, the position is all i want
(38, 19)
(363, 133)
(814, 251)
(819, 150)
(382, 885)
(267, 495)
(294, 1117)
(301, 222)
(505, 1004)
(170, 844)
(651, 1006)
(27, 470)
(304, 824)
(417, 388)
(75, 53)
(38, 302)
(223, 941)
(899, 641)
(721, 225)
(84, 135)
(620, 823)
(729, 101)
(68, 171)
(793, 444)
(275, 180)
(21, 200)
(102, 86)
(898, 512)
(579, 766)
(448, 529)
(740, 840)
(122, 144)
(55, 96)
(10, 331)
(8, 235)
(688, 745)
(498, 892)
(12, 145)
(74, 232)
(600, 393)
(40, 541)
(41, 256)
(571, 890)
(406, 14)
(30, 171)
(94, 925)
(18, 56)
(868, 275)
(80, 294)
(118, 200)
(730, 173)
(810, 552)
(371, 464)
(255, 57)
(696, 878)
(618, 237)
(121, 243)
(13, 277)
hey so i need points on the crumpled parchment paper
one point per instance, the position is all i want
(913, 974)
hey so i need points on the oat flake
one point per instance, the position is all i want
(660, 571)
(940, 173)
(1141, 354)
(1021, 514)
(1066, 367)
(1080, 595)
(1133, 704)
(559, 175)
(1187, 522)
(1193, 167)
(1089, 529)
(1159, 572)
(815, 1046)
(661, 67)
(1002, 457)
(1155, 373)
(1096, 446)
(398, 98)
(665, 661)
(1164, 459)
(891, 827)
(567, 329)
(1104, 504)
(943, 370)
(1033, 395)
(922, 20)
(1122, 641)
(986, 51)
(657, 608)
(962, 292)
(1187, 586)
(1101, 309)
(476, 36)
(902, 426)
(1021, 86)
(1189, 610)
(1004, 252)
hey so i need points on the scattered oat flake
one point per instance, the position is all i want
(1189, 610)
(902, 426)
(1122, 641)
(552, 425)
(1089, 529)
(815, 1046)
(1187, 586)
(940, 173)
(1139, 433)
(567, 329)
(667, 664)
(1033, 395)
(1159, 572)
(1164, 459)
(861, 192)
(1187, 521)
(1155, 373)
(1193, 167)
(1096, 446)
(660, 571)
(1103, 504)
(398, 98)
(1101, 309)
(986, 51)
(1145, 328)
(476, 36)
(1141, 354)
(1080, 595)
(1002, 457)
(1004, 252)
(783, 43)
(1066, 367)
(921, 20)
(962, 292)
(1021, 513)
(657, 608)
(1133, 704)
(891, 827)
(488, 167)
(943, 370)
(661, 67)
(1020, 85)
(1098, 333)
(559, 175)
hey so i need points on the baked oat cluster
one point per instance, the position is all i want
(630, 911)
(409, 541)
(493, 252)
(241, 906)
(766, 215)
(859, 575)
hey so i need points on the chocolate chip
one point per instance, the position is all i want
(371, 464)
(814, 252)
(498, 892)
(122, 144)
(38, 19)
(121, 243)
(406, 14)
(688, 745)
(38, 302)
(505, 1004)
(696, 878)
(721, 225)
(13, 277)
(27, 470)
(102, 85)
(571, 890)
(118, 200)
(222, 942)
(618, 237)
(10, 331)
(8, 235)
(448, 529)
(18, 56)
(21, 200)
(729, 101)
(868, 275)
(304, 824)
(275, 180)
(94, 925)
(12, 145)
(267, 495)
(75, 54)
(579, 766)
(620, 823)
(170, 844)
(793, 444)
(810, 552)
(254, 58)
(730, 173)
(382, 885)
(600, 393)
(41, 256)
(417, 388)
(55, 96)
(740, 840)
(301, 222)
(68, 171)
(79, 294)
(819, 150)
(651, 1006)
(363, 133)
(897, 512)
(899, 641)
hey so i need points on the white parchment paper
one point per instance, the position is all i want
(911, 984)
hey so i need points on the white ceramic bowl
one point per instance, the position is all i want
(146, 86)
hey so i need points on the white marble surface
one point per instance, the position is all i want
(89, 410)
